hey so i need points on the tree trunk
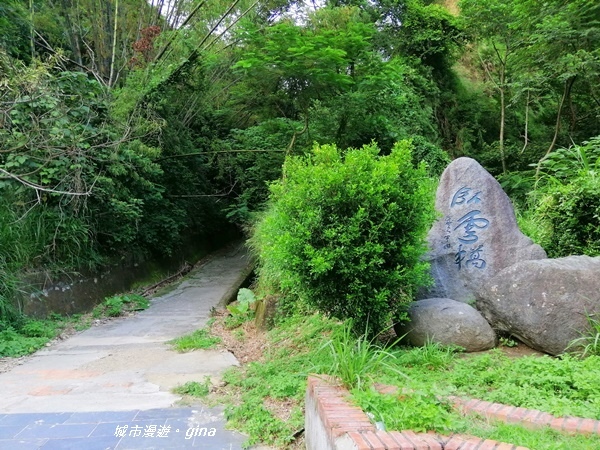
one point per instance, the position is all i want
(111, 78)
(502, 115)
(31, 29)
(566, 92)
(71, 30)
(526, 137)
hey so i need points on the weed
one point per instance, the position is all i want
(417, 410)
(194, 389)
(507, 342)
(295, 350)
(589, 342)
(312, 343)
(560, 386)
(241, 310)
(15, 344)
(538, 439)
(432, 355)
(199, 339)
(239, 334)
(245, 299)
(39, 329)
(25, 336)
(120, 305)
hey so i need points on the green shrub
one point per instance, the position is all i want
(436, 159)
(572, 212)
(566, 204)
(344, 231)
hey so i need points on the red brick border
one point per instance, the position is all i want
(531, 418)
(341, 419)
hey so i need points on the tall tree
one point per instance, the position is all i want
(492, 22)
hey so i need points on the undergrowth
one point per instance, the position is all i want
(264, 399)
(194, 388)
(120, 305)
(295, 349)
(23, 336)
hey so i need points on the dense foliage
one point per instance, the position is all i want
(126, 125)
(345, 232)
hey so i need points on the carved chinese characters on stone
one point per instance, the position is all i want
(469, 254)
(477, 233)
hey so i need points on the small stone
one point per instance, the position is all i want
(447, 322)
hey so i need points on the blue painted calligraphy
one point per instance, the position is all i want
(468, 255)
(470, 222)
(459, 256)
(474, 258)
(461, 195)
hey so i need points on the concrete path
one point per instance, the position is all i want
(76, 393)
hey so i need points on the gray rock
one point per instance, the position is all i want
(477, 234)
(447, 322)
(543, 303)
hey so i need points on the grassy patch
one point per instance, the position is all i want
(424, 376)
(120, 305)
(24, 335)
(265, 400)
(540, 439)
(354, 360)
(199, 339)
(560, 386)
(415, 409)
(194, 388)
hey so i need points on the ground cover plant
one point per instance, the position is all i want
(23, 335)
(27, 335)
(199, 339)
(264, 398)
(120, 305)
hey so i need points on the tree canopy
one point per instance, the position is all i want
(126, 125)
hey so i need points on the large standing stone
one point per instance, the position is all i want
(447, 322)
(543, 303)
(477, 234)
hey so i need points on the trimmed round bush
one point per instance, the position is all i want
(345, 232)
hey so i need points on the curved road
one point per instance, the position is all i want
(109, 387)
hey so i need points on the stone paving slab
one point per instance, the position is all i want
(167, 428)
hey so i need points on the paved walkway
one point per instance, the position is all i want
(75, 394)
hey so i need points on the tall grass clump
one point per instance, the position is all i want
(344, 232)
(355, 360)
(588, 343)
